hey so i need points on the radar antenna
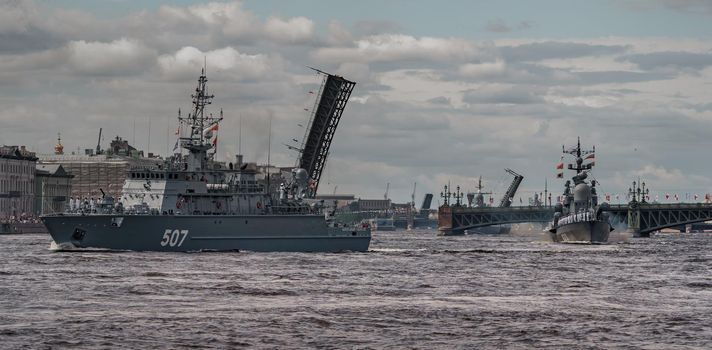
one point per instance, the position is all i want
(579, 156)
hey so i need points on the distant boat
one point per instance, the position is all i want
(382, 224)
(7, 229)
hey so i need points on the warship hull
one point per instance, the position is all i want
(586, 232)
(186, 233)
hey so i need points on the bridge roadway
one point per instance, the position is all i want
(639, 217)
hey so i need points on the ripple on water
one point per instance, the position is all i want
(411, 290)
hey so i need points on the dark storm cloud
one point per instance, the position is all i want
(22, 29)
(668, 59)
(620, 77)
(508, 95)
(29, 40)
(538, 74)
(554, 49)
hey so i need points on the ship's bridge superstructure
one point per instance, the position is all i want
(193, 183)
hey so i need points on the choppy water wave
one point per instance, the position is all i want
(411, 290)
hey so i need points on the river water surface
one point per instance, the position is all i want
(412, 290)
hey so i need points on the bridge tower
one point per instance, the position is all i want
(638, 194)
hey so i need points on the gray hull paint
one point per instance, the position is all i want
(261, 233)
(594, 232)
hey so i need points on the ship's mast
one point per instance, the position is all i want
(198, 142)
(578, 154)
(197, 120)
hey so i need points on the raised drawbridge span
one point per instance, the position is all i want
(639, 217)
(335, 92)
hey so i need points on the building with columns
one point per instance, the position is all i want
(53, 189)
(17, 182)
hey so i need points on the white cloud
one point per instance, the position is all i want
(122, 56)
(659, 173)
(226, 17)
(430, 107)
(485, 69)
(338, 35)
(292, 30)
(229, 21)
(396, 47)
(17, 16)
(185, 62)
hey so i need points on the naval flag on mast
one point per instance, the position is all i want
(591, 157)
(560, 168)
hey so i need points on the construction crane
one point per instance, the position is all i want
(412, 196)
(98, 143)
(388, 186)
(512, 190)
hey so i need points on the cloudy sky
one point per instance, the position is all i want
(446, 91)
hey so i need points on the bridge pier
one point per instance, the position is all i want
(634, 220)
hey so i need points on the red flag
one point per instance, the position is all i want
(211, 128)
(560, 166)
(590, 156)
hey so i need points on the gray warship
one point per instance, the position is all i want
(580, 218)
(193, 203)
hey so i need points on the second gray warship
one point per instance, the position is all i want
(193, 203)
(579, 218)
